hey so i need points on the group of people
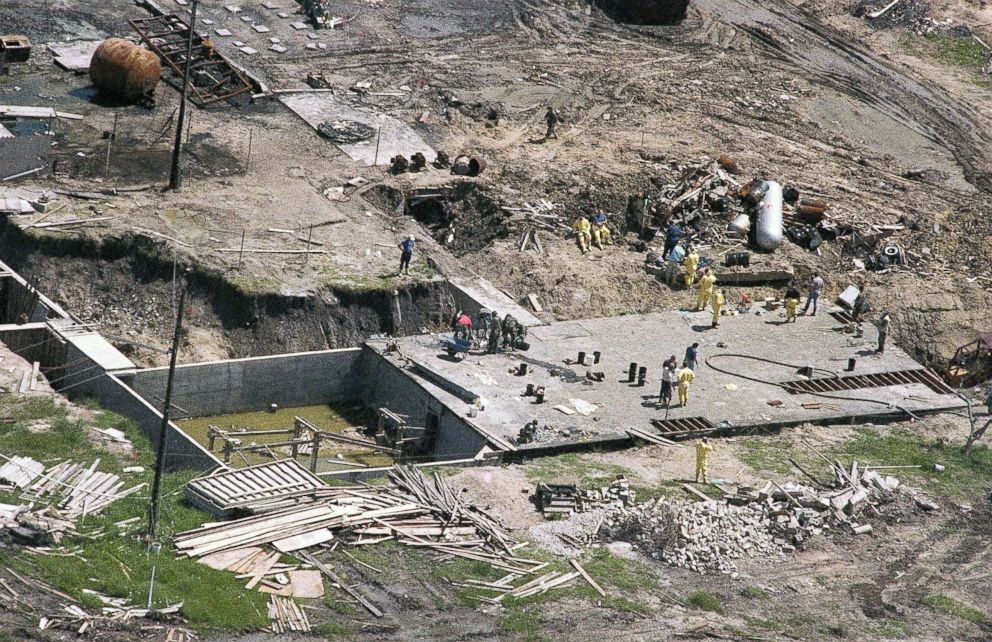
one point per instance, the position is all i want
(673, 377)
(592, 233)
(498, 333)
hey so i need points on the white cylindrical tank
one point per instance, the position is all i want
(768, 223)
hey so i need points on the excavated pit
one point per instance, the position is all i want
(124, 286)
(463, 218)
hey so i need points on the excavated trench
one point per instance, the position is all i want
(125, 286)
(645, 12)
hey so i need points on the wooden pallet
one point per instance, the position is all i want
(255, 486)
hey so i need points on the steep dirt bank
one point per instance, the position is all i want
(125, 285)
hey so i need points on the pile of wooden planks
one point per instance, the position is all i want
(77, 490)
(287, 616)
(256, 489)
(18, 472)
(65, 492)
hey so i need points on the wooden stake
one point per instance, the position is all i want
(241, 252)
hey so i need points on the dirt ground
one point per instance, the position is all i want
(801, 92)
(781, 88)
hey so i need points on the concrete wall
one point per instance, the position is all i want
(386, 386)
(85, 378)
(247, 385)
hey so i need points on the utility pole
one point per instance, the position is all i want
(166, 411)
(175, 179)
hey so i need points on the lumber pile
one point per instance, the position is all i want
(287, 616)
(58, 496)
(415, 510)
(114, 613)
(776, 519)
(567, 498)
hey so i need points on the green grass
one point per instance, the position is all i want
(114, 565)
(705, 601)
(768, 454)
(333, 630)
(963, 476)
(956, 51)
(754, 593)
(253, 286)
(525, 622)
(952, 607)
(573, 467)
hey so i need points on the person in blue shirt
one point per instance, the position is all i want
(672, 237)
(406, 249)
(600, 233)
(692, 356)
(675, 258)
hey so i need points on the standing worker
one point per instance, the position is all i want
(406, 253)
(691, 356)
(675, 258)
(816, 285)
(667, 381)
(705, 289)
(684, 377)
(600, 233)
(791, 304)
(672, 237)
(703, 450)
(883, 331)
(582, 228)
(691, 264)
(552, 119)
(717, 299)
(495, 333)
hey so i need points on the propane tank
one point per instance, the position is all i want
(124, 71)
(741, 224)
(768, 226)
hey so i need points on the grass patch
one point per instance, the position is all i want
(952, 607)
(588, 474)
(705, 601)
(524, 621)
(963, 475)
(754, 593)
(768, 455)
(114, 565)
(255, 285)
(333, 630)
(630, 576)
(955, 51)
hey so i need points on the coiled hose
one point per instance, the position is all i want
(795, 367)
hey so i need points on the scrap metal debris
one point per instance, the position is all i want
(346, 132)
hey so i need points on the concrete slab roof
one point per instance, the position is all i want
(732, 389)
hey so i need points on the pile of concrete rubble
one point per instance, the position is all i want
(774, 520)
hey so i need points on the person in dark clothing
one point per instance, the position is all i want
(692, 356)
(406, 253)
(672, 237)
(667, 380)
(552, 119)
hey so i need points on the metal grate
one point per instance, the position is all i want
(212, 77)
(878, 380)
(683, 426)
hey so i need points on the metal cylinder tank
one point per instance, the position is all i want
(768, 223)
(123, 71)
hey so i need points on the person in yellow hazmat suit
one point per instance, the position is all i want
(705, 289)
(600, 233)
(684, 377)
(582, 228)
(791, 304)
(703, 450)
(691, 264)
(717, 299)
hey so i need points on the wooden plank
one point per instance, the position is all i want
(304, 540)
(588, 578)
(534, 303)
(699, 494)
(264, 568)
(323, 568)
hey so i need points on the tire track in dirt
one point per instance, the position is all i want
(819, 51)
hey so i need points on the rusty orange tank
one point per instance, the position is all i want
(124, 71)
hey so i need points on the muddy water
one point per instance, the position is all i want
(331, 418)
